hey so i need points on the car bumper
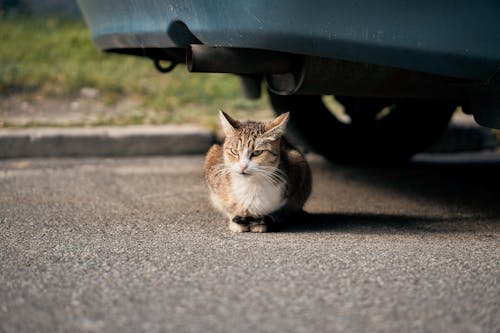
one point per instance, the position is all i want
(460, 40)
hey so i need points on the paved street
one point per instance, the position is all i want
(130, 245)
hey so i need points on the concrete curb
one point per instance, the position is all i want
(462, 135)
(104, 141)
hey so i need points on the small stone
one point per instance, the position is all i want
(89, 93)
(74, 105)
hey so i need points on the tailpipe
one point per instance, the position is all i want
(208, 59)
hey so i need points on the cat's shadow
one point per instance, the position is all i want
(368, 223)
(469, 187)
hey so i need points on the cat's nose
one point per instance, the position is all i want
(243, 168)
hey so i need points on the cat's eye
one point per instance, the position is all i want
(257, 152)
(234, 151)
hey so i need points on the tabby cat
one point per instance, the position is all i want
(256, 178)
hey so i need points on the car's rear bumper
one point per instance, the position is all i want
(459, 39)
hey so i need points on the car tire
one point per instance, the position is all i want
(381, 131)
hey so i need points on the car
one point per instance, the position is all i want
(399, 68)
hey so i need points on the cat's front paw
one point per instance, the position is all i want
(243, 220)
(259, 224)
(266, 223)
(237, 227)
(252, 223)
(259, 227)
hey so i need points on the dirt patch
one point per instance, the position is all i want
(86, 109)
(91, 108)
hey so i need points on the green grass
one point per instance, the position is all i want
(55, 58)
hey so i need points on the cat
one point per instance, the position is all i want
(257, 178)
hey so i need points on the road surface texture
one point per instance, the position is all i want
(133, 245)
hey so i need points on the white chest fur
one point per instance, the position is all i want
(256, 195)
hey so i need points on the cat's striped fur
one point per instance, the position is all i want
(256, 177)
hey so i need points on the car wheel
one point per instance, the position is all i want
(371, 130)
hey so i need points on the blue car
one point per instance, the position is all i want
(399, 68)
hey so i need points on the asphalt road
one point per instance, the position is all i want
(131, 245)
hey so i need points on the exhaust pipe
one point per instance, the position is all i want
(207, 59)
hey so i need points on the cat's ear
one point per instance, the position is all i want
(229, 125)
(276, 128)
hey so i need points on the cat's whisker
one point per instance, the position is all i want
(275, 175)
(272, 169)
(268, 178)
(221, 170)
(271, 174)
(275, 172)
